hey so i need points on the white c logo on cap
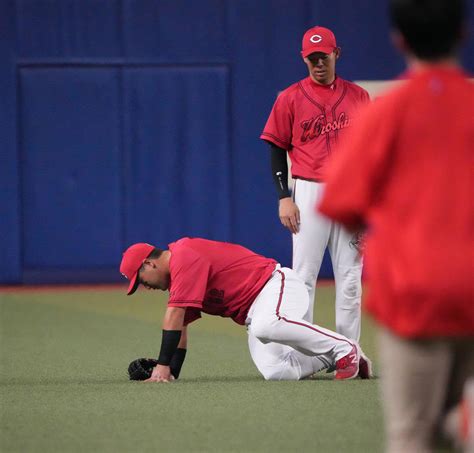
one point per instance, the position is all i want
(315, 39)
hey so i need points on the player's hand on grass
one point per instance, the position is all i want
(161, 373)
(289, 214)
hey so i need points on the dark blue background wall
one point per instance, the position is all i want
(139, 120)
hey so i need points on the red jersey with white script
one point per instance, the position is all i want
(218, 278)
(407, 172)
(308, 119)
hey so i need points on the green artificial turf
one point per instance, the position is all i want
(64, 386)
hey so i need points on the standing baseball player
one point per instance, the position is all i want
(308, 119)
(228, 280)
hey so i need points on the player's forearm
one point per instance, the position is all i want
(183, 342)
(177, 362)
(279, 166)
(179, 355)
(174, 318)
(172, 331)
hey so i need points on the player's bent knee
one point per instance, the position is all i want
(286, 368)
(281, 374)
(260, 328)
(271, 375)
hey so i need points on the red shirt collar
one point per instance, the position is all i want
(331, 86)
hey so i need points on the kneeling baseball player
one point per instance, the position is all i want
(228, 280)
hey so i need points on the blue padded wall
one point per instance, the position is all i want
(65, 29)
(71, 173)
(10, 243)
(178, 155)
(176, 31)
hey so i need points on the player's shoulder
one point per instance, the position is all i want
(291, 90)
(182, 246)
(179, 242)
(187, 251)
(352, 86)
(391, 103)
(187, 242)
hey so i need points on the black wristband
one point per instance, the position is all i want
(177, 362)
(169, 344)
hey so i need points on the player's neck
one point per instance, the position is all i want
(164, 260)
(325, 84)
(415, 64)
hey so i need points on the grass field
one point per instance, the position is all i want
(64, 386)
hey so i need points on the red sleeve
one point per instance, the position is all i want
(191, 315)
(189, 275)
(358, 171)
(279, 127)
(365, 97)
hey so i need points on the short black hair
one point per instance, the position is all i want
(155, 253)
(432, 28)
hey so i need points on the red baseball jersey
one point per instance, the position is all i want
(407, 172)
(308, 119)
(218, 278)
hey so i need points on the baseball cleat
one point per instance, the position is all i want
(348, 366)
(365, 367)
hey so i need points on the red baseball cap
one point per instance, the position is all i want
(318, 39)
(132, 260)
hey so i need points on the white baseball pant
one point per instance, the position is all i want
(282, 344)
(315, 234)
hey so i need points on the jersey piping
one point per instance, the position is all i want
(320, 107)
(323, 111)
(334, 107)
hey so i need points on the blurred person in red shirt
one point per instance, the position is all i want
(405, 176)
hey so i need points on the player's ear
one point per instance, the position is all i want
(337, 52)
(148, 262)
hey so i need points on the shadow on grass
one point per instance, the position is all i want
(78, 380)
(254, 378)
(107, 380)
(88, 380)
(322, 376)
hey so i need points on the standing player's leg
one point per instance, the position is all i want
(347, 267)
(310, 242)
